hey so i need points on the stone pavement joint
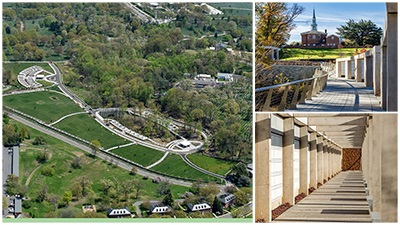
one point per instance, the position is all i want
(342, 95)
(341, 199)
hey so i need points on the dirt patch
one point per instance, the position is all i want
(299, 197)
(279, 210)
(79, 154)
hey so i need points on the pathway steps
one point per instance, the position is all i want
(341, 95)
(341, 199)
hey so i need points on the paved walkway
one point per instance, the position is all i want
(342, 95)
(341, 199)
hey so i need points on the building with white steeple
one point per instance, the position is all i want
(318, 39)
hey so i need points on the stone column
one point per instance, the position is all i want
(383, 79)
(320, 160)
(304, 164)
(368, 71)
(376, 69)
(375, 148)
(389, 166)
(262, 169)
(330, 161)
(357, 70)
(287, 161)
(277, 54)
(338, 68)
(313, 160)
(325, 163)
(392, 73)
(348, 69)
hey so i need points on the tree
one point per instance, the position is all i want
(363, 33)
(275, 22)
(85, 183)
(240, 198)
(39, 140)
(168, 199)
(217, 206)
(164, 188)
(139, 185)
(76, 163)
(67, 197)
(133, 171)
(126, 188)
(41, 194)
(95, 146)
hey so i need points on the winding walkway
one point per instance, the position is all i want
(66, 116)
(341, 199)
(159, 161)
(341, 95)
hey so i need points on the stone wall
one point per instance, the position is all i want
(292, 72)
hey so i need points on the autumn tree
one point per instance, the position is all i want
(276, 20)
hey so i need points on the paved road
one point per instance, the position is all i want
(100, 155)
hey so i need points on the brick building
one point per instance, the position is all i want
(318, 39)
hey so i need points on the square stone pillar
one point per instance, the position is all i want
(368, 71)
(358, 70)
(304, 164)
(313, 160)
(338, 68)
(287, 161)
(389, 166)
(262, 166)
(277, 54)
(375, 148)
(320, 160)
(392, 73)
(326, 157)
(348, 69)
(376, 61)
(330, 151)
(383, 79)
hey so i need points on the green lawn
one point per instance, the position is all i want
(62, 155)
(174, 165)
(217, 166)
(315, 54)
(137, 153)
(18, 67)
(44, 105)
(85, 127)
(234, 8)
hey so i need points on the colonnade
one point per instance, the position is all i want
(290, 158)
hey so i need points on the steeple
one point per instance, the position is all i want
(314, 22)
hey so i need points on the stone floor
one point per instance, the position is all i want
(341, 199)
(341, 95)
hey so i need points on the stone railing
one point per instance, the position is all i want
(300, 89)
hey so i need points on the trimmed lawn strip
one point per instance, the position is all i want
(44, 105)
(86, 127)
(313, 54)
(174, 165)
(211, 164)
(94, 169)
(16, 68)
(137, 153)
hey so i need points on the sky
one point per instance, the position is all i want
(332, 15)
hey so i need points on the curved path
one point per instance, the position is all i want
(31, 175)
(201, 169)
(66, 116)
(159, 161)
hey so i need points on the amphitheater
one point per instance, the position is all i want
(28, 77)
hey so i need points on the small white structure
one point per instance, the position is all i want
(225, 76)
(160, 209)
(119, 213)
(184, 144)
(203, 76)
(199, 207)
